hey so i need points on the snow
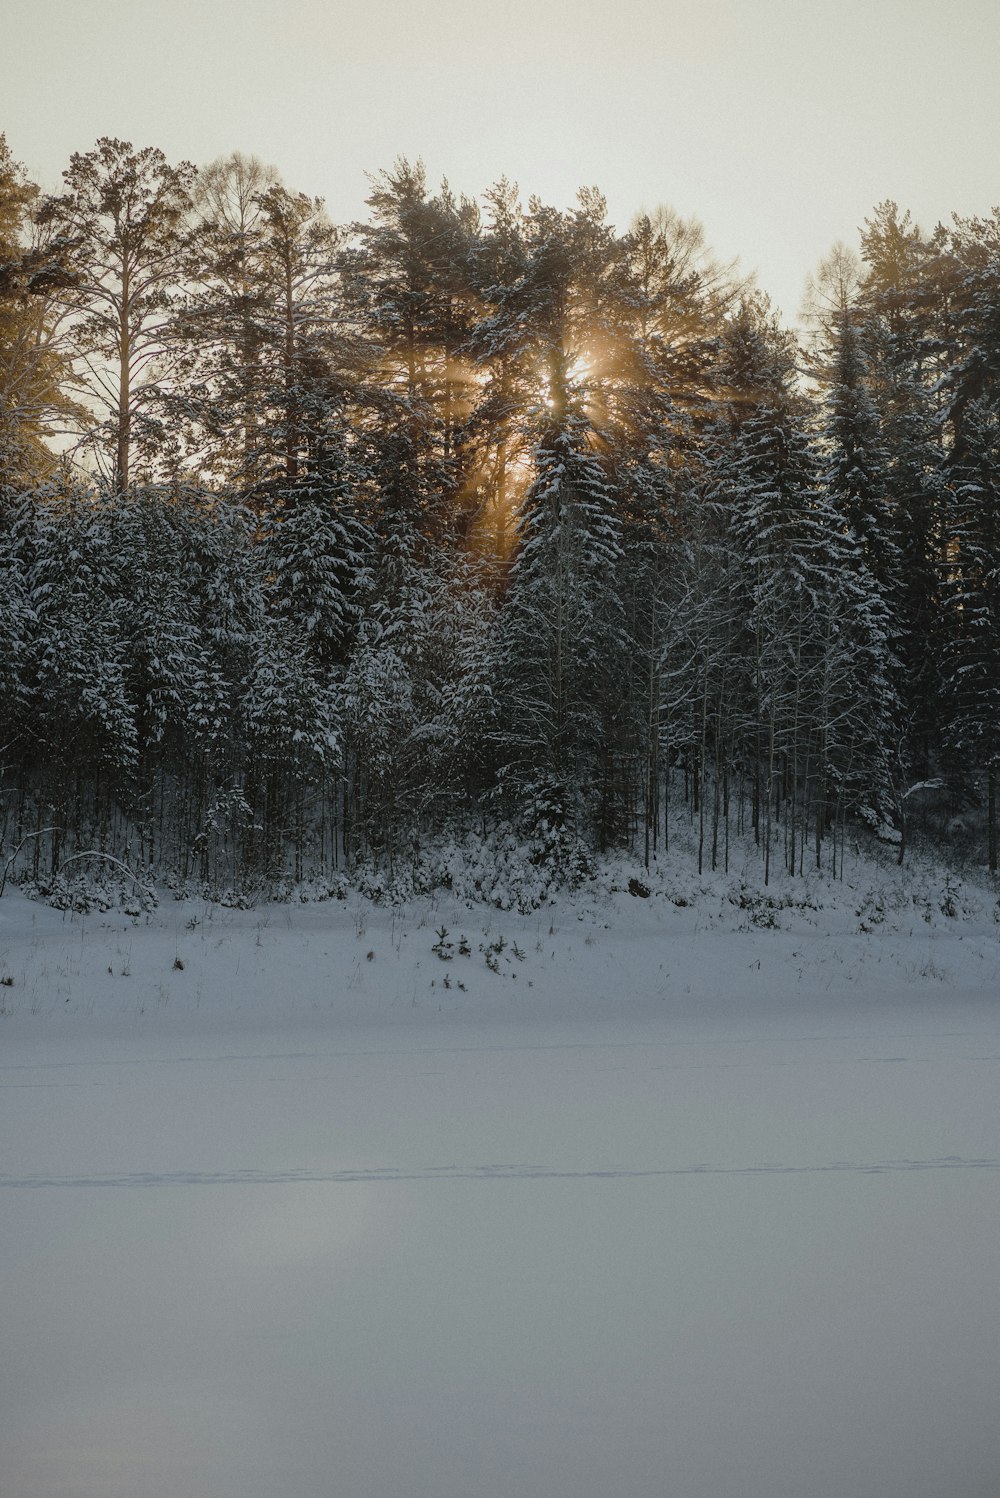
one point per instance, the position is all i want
(672, 1202)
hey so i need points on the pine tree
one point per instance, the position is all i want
(82, 717)
(221, 396)
(317, 554)
(855, 461)
(124, 211)
(34, 399)
(502, 347)
(904, 376)
(15, 631)
(407, 283)
(818, 699)
(418, 704)
(564, 633)
(973, 675)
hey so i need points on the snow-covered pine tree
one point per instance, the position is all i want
(818, 701)
(656, 355)
(418, 705)
(904, 368)
(82, 718)
(15, 628)
(973, 596)
(221, 806)
(854, 471)
(317, 553)
(564, 637)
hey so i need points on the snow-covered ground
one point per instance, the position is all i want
(686, 1196)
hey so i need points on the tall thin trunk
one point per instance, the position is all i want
(770, 794)
(291, 401)
(123, 434)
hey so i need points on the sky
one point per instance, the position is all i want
(780, 124)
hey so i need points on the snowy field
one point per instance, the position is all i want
(623, 1198)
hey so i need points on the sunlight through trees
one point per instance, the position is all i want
(316, 537)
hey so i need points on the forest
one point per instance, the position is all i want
(317, 541)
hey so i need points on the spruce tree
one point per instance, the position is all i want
(973, 662)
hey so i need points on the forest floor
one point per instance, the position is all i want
(630, 939)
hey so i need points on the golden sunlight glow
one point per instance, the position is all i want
(496, 486)
(579, 371)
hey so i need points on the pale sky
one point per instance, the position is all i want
(779, 123)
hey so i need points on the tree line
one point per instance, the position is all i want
(316, 538)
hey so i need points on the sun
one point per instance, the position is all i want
(574, 371)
